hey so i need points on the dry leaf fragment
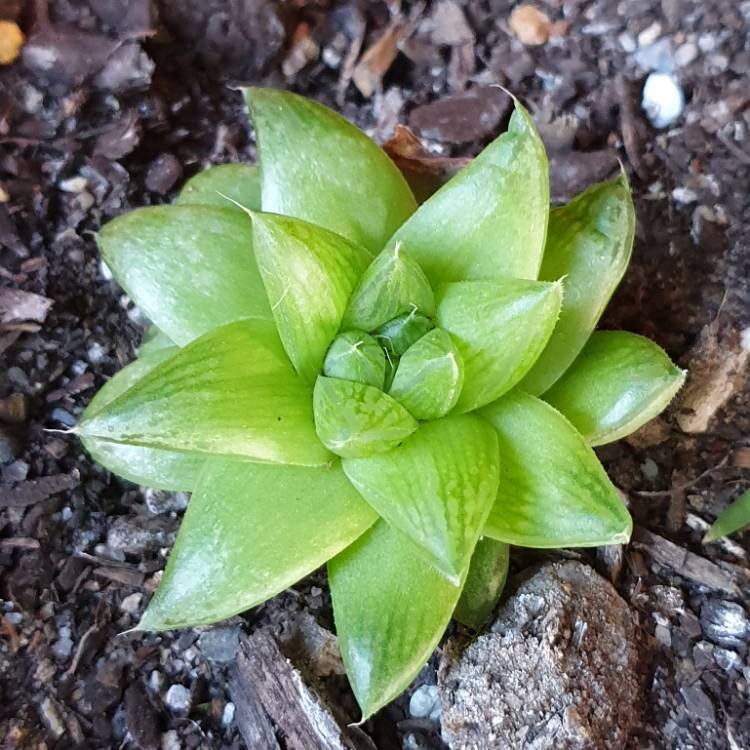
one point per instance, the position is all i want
(11, 41)
(530, 25)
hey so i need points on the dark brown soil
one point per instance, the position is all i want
(114, 104)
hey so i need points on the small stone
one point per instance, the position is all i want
(51, 718)
(219, 645)
(422, 701)
(63, 646)
(663, 100)
(650, 34)
(650, 469)
(725, 623)
(74, 185)
(727, 659)
(685, 54)
(163, 173)
(95, 353)
(697, 703)
(227, 715)
(178, 699)
(663, 635)
(530, 25)
(703, 655)
(130, 604)
(171, 740)
(684, 195)
(160, 501)
(656, 57)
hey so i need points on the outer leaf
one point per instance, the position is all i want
(154, 340)
(189, 268)
(309, 274)
(430, 376)
(230, 393)
(618, 383)
(553, 490)
(490, 220)
(250, 531)
(731, 519)
(589, 243)
(437, 487)
(353, 419)
(318, 167)
(390, 609)
(152, 467)
(392, 284)
(484, 583)
(354, 355)
(500, 328)
(221, 185)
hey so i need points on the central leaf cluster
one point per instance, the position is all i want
(389, 366)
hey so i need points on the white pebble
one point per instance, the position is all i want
(663, 100)
(423, 700)
(170, 740)
(227, 716)
(685, 54)
(178, 699)
(74, 184)
(684, 195)
(130, 604)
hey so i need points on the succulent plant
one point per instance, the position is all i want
(341, 376)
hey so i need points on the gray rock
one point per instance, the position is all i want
(219, 645)
(558, 669)
(178, 699)
(725, 623)
(697, 703)
(423, 700)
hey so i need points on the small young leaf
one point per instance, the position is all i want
(230, 393)
(318, 167)
(391, 609)
(731, 519)
(354, 355)
(189, 268)
(309, 274)
(152, 467)
(154, 340)
(399, 334)
(484, 583)
(553, 490)
(429, 376)
(353, 419)
(500, 328)
(437, 487)
(392, 284)
(589, 243)
(225, 186)
(250, 531)
(618, 383)
(490, 220)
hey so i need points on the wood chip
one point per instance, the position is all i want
(35, 490)
(376, 61)
(124, 576)
(262, 674)
(17, 306)
(684, 563)
(530, 25)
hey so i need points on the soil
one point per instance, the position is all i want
(113, 105)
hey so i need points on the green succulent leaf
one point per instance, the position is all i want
(390, 608)
(152, 467)
(309, 274)
(355, 355)
(437, 487)
(353, 419)
(619, 382)
(189, 268)
(397, 335)
(484, 583)
(490, 220)
(318, 167)
(731, 519)
(553, 490)
(429, 376)
(154, 340)
(589, 244)
(225, 186)
(393, 284)
(500, 328)
(250, 531)
(232, 392)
